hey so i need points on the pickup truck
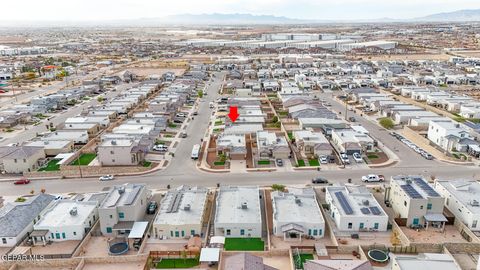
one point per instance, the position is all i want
(373, 178)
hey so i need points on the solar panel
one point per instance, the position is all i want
(344, 203)
(426, 187)
(365, 210)
(175, 202)
(411, 192)
(375, 210)
(132, 195)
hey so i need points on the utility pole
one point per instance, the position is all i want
(79, 165)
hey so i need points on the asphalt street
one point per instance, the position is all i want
(182, 170)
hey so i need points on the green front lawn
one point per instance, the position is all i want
(244, 244)
(372, 156)
(177, 263)
(147, 164)
(218, 123)
(290, 135)
(219, 163)
(301, 163)
(172, 125)
(300, 260)
(313, 162)
(51, 166)
(263, 162)
(84, 159)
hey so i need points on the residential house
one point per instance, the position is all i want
(20, 159)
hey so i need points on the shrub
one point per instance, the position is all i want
(278, 187)
(386, 122)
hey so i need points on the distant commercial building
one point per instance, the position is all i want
(238, 212)
(353, 208)
(181, 213)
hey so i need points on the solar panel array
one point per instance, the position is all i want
(344, 203)
(411, 192)
(426, 187)
(365, 210)
(175, 202)
(375, 210)
(132, 195)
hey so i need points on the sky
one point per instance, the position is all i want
(97, 10)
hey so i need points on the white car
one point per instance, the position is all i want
(160, 147)
(344, 158)
(323, 159)
(181, 115)
(107, 177)
(373, 178)
(357, 157)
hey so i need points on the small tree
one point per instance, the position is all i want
(278, 187)
(275, 119)
(200, 93)
(386, 122)
(100, 99)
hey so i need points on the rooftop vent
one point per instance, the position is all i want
(298, 201)
(114, 142)
(475, 203)
(187, 207)
(74, 211)
(244, 205)
(366, 202)
(121, 190)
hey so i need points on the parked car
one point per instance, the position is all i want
(151, 207)
(160, 147)
(279, 162)
(107, 177)
(373, 178)
(357, 157)
(319, 180)
(331, 159)
(427, 156)
(351, 119)
(195, 113)
(183, 135)
(323, 159)
(178, 120)
(181, 115)
(344, 158)
(22, 182)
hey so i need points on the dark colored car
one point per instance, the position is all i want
(279, 162)
(152, 207)
(319, 180)
(22, 182)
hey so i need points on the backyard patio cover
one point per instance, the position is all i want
(435, 218)
(209, 255)
(138, 229)
(217, 240)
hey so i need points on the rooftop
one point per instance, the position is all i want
(466, 192)
(238, 205)
(426, 261)
(298, 205)
(66, 213)
(355, 201)
(182, 206)
(416, 187)
(122, 195)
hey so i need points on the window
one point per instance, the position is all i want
(177, 234)
(171, 233)
(74, 233)
(15, 160)
(242, 232)
(320, 232)
(121, 215)
(4, 240)
(375, 226)
(57, 235)
(429, 206)
(309, 231)
(24, 161)
(315, 232)
(51, 235)
(111, 216)
(111, 152)
(474, 224)
(63, 235)
(421, 206)
(229, 232)
(113, 160)
(416, 221)
(350, 225)
(405, 203)
(109, 229)
(361, 225)
(192, 232)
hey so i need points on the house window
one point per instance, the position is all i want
(183, 233)
(111, 152)
(63, 235)
(315, 232)
(111, 216)
(229, 232)
(74, 233)
(109, 229)
(57, 235)
(121, 215)
(429, 206)
(309, 231)
(320, 232)
(350, 225)
(15, 160)
(361, 225)
(192, 232)
(405, 203)
(474, 224)
(51, 235)
(421, 206)
(24, 161)
(242, 232)
(171, 233)
(113, 160)
(375, 226)
(177, 234)
(4, 241)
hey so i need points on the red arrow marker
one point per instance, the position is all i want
(233, 114)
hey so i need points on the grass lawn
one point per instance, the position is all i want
(313, 162)
(283, 113)
(172, 125)
(51, 166)
(84, 159)
(177, 263)
(216, 130)
(263, 162)
(303, 257)
(167, 135)
(244, 244)
(301, 163)
(372, 156)
(219, 163)
(218, 123)
(290, 135)
(147, 164)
